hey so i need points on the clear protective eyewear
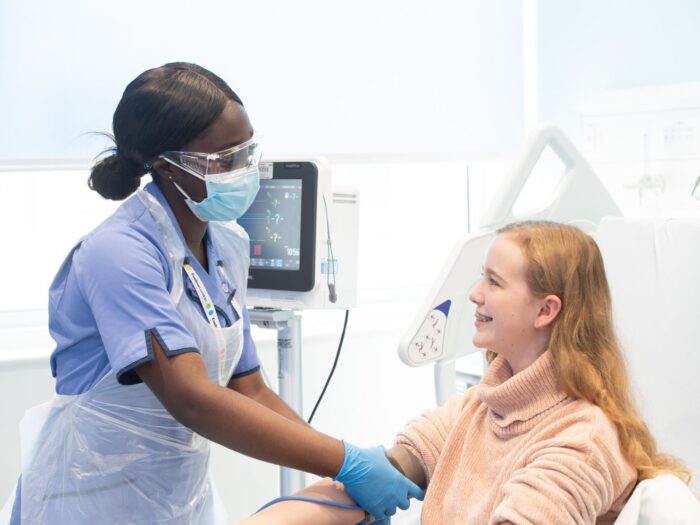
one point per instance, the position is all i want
(240, 157)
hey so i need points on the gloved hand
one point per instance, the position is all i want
(374, 483)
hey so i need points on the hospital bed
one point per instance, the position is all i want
(653, 268)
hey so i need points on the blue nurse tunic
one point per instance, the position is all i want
(112, 293)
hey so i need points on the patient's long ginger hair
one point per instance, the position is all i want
(564, 261)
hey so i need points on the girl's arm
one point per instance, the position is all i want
(408, 464)
(303, 512)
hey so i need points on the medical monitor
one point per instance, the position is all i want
(303, 237)
(281, 224)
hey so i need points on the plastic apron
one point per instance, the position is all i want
(114, 454)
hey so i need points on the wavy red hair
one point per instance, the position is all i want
(564, 261)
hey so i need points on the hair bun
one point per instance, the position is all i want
(115, 177)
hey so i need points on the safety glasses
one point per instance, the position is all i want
(242, 156)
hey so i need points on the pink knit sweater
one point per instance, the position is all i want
(516, 448)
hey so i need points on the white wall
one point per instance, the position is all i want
(586, 49)
(623, 80)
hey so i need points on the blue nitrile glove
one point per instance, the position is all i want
(374, 483)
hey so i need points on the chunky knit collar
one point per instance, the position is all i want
(518, 402)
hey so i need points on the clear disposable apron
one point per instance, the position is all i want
(114, 454)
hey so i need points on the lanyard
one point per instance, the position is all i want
(203, 295)
(210, 312)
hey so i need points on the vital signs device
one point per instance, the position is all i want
(303, 237)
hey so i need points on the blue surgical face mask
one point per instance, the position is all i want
(229, 195)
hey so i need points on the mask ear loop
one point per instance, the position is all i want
(177, 186)
(185, 169)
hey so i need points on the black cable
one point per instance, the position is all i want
(335, 362)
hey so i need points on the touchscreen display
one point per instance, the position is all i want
(273, 223)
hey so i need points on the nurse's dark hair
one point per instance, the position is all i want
(161, 110)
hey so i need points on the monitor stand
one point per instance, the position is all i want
(288, 326)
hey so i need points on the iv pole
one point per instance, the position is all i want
(288, 326)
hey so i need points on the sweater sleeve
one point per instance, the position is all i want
(425, 436)
(568, 480)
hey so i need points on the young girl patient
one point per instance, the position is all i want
(550, 435)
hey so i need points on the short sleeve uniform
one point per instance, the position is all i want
(113, 291)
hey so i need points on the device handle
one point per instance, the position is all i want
(501, 210)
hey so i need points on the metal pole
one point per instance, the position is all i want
(289, 375)
(288, 326)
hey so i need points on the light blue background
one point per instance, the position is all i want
(316, 76)
(588, 47)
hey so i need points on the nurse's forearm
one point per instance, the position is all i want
(271, 400)
(233, 420)
(253, 386)
(246, 426)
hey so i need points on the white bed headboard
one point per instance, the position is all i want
(653, 268)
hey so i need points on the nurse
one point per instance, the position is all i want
(153, 351)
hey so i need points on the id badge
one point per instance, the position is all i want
(237, 306)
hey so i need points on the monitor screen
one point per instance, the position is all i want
(281, 224)
(273, 223)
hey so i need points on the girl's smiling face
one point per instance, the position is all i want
(510, 320)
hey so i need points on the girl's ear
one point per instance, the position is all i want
(549, 310)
